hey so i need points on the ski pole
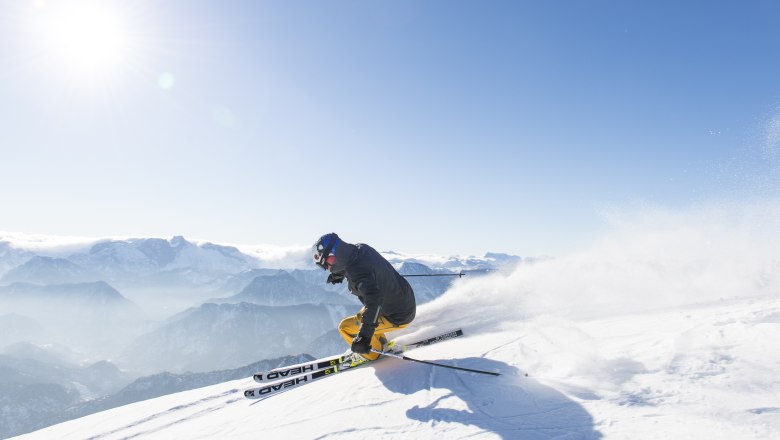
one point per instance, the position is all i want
(459, 275)
(399, 356)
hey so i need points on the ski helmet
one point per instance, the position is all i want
(324, 250)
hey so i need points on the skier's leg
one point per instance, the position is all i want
(383, 326)
(350, 326)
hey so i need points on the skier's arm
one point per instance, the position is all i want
(372, 304)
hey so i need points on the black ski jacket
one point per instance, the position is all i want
(381, 289)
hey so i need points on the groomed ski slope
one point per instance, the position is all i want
(667, 328)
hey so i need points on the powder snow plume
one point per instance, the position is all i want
(650, 259)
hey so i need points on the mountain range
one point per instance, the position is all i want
(111, 310)
(217, 336)
(283, 289)
(132, 260)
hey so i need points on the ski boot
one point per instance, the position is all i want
(353, 360)
(385, 344)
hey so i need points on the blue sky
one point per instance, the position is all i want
(454, 127)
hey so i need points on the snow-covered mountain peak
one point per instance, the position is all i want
(179, 241)
(49, 270)
(414, 268)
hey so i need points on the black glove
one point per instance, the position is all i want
(335, 278)
(361, 345)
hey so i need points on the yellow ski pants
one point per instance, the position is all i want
(350, 326)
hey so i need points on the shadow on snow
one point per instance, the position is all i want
(511, 405)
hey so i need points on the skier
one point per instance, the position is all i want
(388, 299)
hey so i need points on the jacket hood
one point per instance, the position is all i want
(345, 252)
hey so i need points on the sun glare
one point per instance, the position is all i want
(84, 37)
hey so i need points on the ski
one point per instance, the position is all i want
(399, 347)
(299, 369)
(296, 381)
(301, 374)
(321, 364)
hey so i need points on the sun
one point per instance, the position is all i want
(84, 37)
(92, 38)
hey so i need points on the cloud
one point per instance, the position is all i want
(279, 257)
(48, 245)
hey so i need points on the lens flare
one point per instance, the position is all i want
(166, 81)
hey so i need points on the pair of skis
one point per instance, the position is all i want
(285, 378)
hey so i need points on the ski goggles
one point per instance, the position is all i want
(326, 262)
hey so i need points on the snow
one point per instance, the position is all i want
(669, 327)
(700, 371)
